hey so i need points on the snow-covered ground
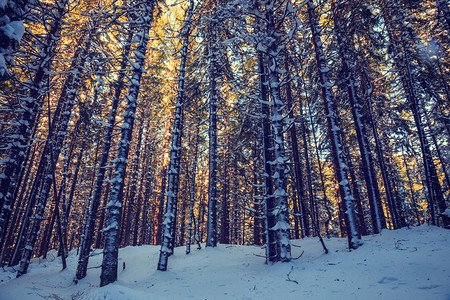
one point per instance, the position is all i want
(403, 264)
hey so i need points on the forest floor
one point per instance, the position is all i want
(403, 264)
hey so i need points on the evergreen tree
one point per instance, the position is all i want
(170, 216)
(334, 132)
(142, 18)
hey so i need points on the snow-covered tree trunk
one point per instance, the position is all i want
(367, 88)
(373, 192)
(356, 194)
(270, 44)
(256, 194)
(268, 158)
(88, 235)
(143, 19)
(170, 217)
(144, 236)
(30, 105)
(191, 225)
(211, 238)
(334, 132)
(299, 207)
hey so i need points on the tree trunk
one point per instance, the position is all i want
(269, 202)
(170, 217)
(299, 207)
(111, 248)
(373, 192)
(191, 226)
(211, 237)
(334, 132)
(356, 194)
(282, 227)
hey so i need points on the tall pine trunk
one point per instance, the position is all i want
(268, 158)
(114, 206)
(170, 217)
(88, 235)
(373, 192)
(334, 132)
(192, 192)
(280, 211)
(211, 237)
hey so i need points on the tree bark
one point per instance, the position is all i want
(170, 217)
(191, 225)
(211, 237)
(334, 132)
(111, 248)
(98, 188)
(373, 192)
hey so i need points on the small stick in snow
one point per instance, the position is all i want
(289, 279)
(259, 255)
(299, 255)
